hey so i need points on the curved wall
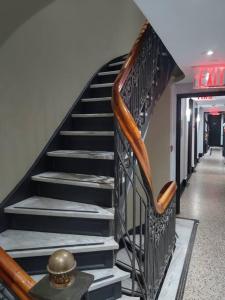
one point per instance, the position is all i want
(44, 66)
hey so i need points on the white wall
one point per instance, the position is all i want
(221, 135)
(200, 131)
(193, 134)
(158, 141)
(44, 66)
(184, 140)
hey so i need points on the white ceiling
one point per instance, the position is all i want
(188, 29)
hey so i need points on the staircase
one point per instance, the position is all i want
(66, 199)
(90, 190)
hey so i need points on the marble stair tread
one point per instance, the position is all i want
(82, 154)
(97, 115)
(124, 297)
(123, 260)
(101, 85)
(85, 180)
(58, 208)
(99, 99)
(103, 277)
(118, 63)
(86, 133)
(109, 73)
(107, 276)
(127, 286)
(25, 243)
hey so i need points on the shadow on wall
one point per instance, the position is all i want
(157, 141)
(45, 64)
(15, 13)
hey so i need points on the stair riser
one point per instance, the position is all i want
(82, 166)
(114, 68)
(83, 226)
(101, 197)
(109, 292)
(105, 143)
(100, 92)
(106, 123)
(97, 107)
(105, 78)
(85, 261)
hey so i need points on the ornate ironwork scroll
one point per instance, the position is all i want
(148, 237)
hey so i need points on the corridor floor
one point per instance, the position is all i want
(204, 199)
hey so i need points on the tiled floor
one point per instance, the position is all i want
(204, 199)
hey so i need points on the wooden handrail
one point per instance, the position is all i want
(131, 131)
(14, 276)
(13, 287)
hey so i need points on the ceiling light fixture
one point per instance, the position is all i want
(209, 52)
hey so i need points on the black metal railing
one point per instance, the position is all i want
(148, 237)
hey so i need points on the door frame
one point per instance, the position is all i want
(190, 140)
(196, 159)
(178, 135)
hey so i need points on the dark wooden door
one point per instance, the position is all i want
(214, 122)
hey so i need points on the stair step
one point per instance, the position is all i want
(58, 208)
(100, 99)
(109, 73)
(127, 287)
(101, 85)
(98, 115)
(119, 63)
(87, 133)
(107, 276)
(102, 277)
(123, 261)
(82, 154)
(21, 243)
(124, 297)
(101, 182)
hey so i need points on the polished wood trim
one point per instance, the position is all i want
(131, 131)
(15, 275)
(12, 286)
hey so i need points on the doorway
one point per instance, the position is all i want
(214, 124)
(198, 137)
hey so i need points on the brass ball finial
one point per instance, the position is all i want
(61, 266)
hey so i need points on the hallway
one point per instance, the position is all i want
(204, 199)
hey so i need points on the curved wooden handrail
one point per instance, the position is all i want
(13, 287)
(14, 276)
(131, 131)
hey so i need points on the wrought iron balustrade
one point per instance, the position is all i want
(145, 226)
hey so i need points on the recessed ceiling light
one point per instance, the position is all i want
(209, 52)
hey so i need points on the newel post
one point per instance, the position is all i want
(63, 281)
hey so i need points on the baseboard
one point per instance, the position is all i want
(183, 279)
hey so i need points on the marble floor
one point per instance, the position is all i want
(184, 229)
(204, 199)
